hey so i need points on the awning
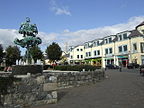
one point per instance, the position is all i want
(122, 56)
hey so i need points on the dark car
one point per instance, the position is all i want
(132, 65)
(111, 66)
(142, 70)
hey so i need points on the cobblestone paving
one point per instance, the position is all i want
(120, 90)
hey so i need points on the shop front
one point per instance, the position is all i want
(123, 60)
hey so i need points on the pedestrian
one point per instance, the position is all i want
(120, 68)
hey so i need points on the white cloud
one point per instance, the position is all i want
(81, 36)
(59, 10)
(7, 36)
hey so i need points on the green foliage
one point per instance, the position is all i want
(1, 53)
(76, 67)
(54, 52)
(36, 53)
(12, 54)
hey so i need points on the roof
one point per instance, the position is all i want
(141, 24)
(135, 33)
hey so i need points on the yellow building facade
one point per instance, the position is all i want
(119, 49)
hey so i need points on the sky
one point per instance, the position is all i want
(69, 21)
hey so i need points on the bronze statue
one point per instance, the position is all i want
(29, 32)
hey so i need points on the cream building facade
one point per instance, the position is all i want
(119, 49)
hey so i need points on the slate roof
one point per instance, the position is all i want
(140, 24)
(135, 33)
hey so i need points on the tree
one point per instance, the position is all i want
(54, 52)
(12, 54)
(36, 53)
(1, 53)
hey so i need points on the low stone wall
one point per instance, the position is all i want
(66, 80)
(34, 90)
(42, 88)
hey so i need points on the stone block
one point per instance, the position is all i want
(49, 86)
(40, 79)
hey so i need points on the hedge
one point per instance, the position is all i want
(76, 67)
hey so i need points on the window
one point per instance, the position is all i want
(89, 53)
(98, 43)
(120, 37)
(98, 52)
(71, 57)
(106, 51)
(94, 43)
(95, 53)
(120, 48)
(106, 41)
(81, 49)
(110, 40)
(135, 47)
(142, 47)
(125, 36)
(125, 48)
(110, 50)
(77, 56)
(81, 56)
(77, 49)
(86, 54)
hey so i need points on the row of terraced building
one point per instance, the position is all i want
(120, 49)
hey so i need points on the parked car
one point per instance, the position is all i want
(142, 70)
(111, 66)
(132, 65)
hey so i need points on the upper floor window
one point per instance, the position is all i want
(77, 49)
(95, 53)
(71, 56)
(106, 51)
(106, 41)
(89, 53)
(81, 56)
(142, 47)
(77, 56)
(86, 54)
(98, 52)
(120, 37)
(110, 50)
(120, 48)
(125, 36)
(110, 40)
(135, 47)
(81, 49)
(98, 43)
(125, 48)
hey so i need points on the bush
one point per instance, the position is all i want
(1, 68)
(76, 67)
(24, 69)
(45, 67)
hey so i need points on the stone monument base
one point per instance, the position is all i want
(24, 69)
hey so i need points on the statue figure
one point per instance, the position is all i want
(28, 29)
(29, 32)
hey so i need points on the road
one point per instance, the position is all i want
(119, 90)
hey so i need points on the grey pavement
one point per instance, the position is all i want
(119, 90)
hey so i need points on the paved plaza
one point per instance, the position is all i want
(119, 90)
